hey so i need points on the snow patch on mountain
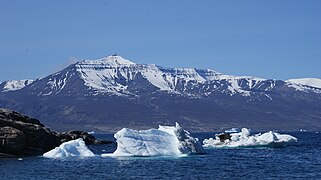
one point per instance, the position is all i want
(55, 83)
(189, 74)
(234, 87)
(242, 85)
(14, 85)
(156, 77)
(114, 61)
(110, 74)
(313, 82)
(305, 84)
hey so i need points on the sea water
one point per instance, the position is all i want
(298, 160)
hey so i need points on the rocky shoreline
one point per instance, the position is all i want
(21, 135)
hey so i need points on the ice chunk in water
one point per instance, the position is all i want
(164, 141)
(245, 139)
(71, 148)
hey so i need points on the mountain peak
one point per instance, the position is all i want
(118, 60)
(113, 60)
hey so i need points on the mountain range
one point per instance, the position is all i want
(111, 93)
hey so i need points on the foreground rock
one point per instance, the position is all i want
(22, 135)
(12, 139)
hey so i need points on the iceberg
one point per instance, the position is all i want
(71, 148)
(233, 130)
(164, 141)
(91, 132)
(245, 139)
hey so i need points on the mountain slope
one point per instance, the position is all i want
(112, 92)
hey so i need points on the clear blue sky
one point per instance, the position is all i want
(278, 39)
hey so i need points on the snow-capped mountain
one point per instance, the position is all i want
(115, 91)
(115, 75)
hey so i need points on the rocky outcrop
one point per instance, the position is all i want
(22, 135)
(88, 138)
(224, 136)
(11, 139)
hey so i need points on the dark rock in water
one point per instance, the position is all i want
(19, 133)
(22, 135)
(224, 136)
(88, 138)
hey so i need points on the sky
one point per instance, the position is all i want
(268, 39)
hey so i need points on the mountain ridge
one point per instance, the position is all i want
(99, 93)
(119, 62)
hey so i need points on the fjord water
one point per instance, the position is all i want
(298, 160)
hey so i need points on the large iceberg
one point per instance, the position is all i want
(164, 141)
(245, 139)
(71, 148)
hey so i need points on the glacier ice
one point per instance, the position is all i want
(68, 149)
(164, 141)
(245, 139)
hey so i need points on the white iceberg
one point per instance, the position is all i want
(71, 148)
(233, 130)
(164, 141)
(91, 132)
(245, 139)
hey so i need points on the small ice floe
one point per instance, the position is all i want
(20, 159)
(245, 139)
(164, 141)
(233, 130)
(91, 132)
(71, 148)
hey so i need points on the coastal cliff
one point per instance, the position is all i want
(21, 135)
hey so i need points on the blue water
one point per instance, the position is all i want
(301, 160)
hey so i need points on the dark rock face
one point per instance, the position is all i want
(70, 135)
(21, 135)
(11, 139)
(8, 114)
